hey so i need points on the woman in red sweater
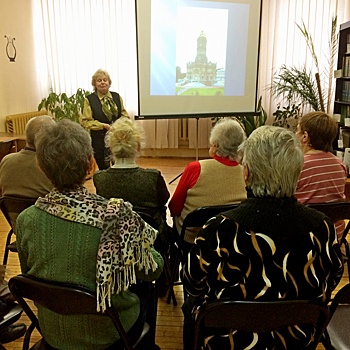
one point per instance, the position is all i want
(214, 181)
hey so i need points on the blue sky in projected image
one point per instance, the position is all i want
(191, 21)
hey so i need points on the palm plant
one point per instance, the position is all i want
(295, 84)
(299, 85)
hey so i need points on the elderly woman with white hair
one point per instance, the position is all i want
(215, 181)
(144, 188)
(269, 248)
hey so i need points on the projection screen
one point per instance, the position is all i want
(197, 58)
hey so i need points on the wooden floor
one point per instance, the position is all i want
(169, 319)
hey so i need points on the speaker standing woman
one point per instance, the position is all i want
(101, 109)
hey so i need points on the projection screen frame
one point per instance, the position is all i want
(196, 116)
(188, 115)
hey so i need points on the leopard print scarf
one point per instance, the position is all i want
(125, 238)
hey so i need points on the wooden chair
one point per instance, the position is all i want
(260, 317)
(195, 219)
(11, 206)
(336, 211)
(337, 335)
(64, 299)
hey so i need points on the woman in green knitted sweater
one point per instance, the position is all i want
(75, 236)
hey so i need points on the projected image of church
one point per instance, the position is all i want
(203, 77)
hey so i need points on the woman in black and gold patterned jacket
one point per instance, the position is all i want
(269, 248)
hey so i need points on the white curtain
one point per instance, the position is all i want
(75, 38)
(282, 43)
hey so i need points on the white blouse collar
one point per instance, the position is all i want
(124, 163)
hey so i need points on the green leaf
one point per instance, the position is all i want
(61, 106)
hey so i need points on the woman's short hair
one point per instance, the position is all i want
(227, 134)
(98, 74)
(64, 152)
(126, 138)
(321, 128)
(274, 159)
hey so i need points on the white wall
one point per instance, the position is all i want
(19, 90)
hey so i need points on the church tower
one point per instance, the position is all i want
(201, 49)
(201, 70)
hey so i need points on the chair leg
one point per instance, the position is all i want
(26, 341)
(326, 341)
(168, 277)
(347, 249)
(8, 242)
(172, 280)
(153, 322)
(164, 248)
(6, 255)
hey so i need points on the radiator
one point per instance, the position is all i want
(183, 132)
(16, 123)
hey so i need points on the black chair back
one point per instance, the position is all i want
(341, 297)
(337, 335)
(260, 317)
(195, 219)
(162, 250)
(337, 211)
(11, 206)
(148, 218)
(62, 298)
(6, 148)
(198, 217)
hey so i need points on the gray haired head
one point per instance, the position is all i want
(274, 160)
(227, 135)
(64, 153)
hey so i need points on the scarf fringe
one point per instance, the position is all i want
(121, 280)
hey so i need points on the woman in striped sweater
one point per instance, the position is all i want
(323, 176)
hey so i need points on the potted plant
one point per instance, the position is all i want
(249, 122)
(287, 117)
(299, 86)
(61, 106)
(252, 122)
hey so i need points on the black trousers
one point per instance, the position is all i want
(101, 151)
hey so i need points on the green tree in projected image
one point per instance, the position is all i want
(199, 91)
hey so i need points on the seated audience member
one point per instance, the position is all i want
(19, 173)
(323, 176)
(81, 236)
(145, 189)
(270, 248)
(20, 176)
(214, 181)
